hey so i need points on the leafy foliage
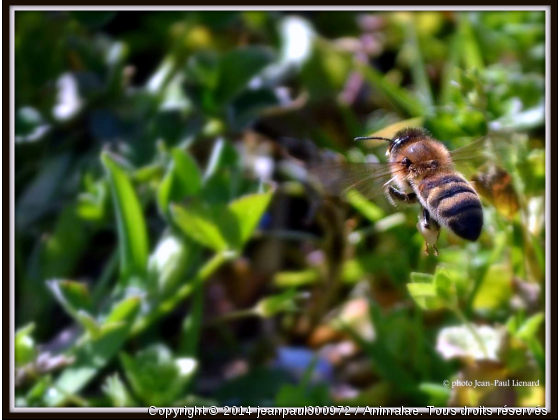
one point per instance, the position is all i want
(170, 250)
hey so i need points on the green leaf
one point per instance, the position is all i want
(182, 180)
(24, 345)
(202, 224)
(133, 236)
(421, 277)
(296, 278)
(35, 199)
(438, 394)
(203, 68)
(189, 180)
(325, 72)
(445, 287)
(89, 323)
(237, 68)
(73, 296)
(472, 56)
(219, 188)
(222, 228)
(94, 354)
(248, 211)
(223, 155)
(92, 205)
(425, 295)
(454, 55)
(148, 173)
(495, 290)
(369, 210)
(36, 395)
(117, 391)
(530, 327)
(164, 192)
(353, 271)
(249, 105)
(399, 98)
(421, 290)
(273, 305)
(155, 376)
(123, 311)
(433, 291)
(90, 359)
(417, 66)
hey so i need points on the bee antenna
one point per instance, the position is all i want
(372, 138)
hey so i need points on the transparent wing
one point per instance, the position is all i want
(475, 152)
(469, 158)
(482, 162)
(369, 179)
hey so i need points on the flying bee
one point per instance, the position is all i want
(420, 169)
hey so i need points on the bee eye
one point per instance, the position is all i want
(406, 162)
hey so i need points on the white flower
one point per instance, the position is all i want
(460, 342)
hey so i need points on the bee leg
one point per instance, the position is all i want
(401, 196)
(426, 218)
(429, 229)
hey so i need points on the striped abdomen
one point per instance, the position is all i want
(453, 202)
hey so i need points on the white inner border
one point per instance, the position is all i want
(13, 9)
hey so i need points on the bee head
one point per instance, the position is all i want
(418, 153)
(405, 137)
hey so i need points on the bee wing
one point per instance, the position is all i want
(471, 157)
(482, 161)
(475, 152)
(369, 179)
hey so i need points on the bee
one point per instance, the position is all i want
(420, 169)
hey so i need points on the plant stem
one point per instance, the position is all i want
(168, 305)
(243, 313)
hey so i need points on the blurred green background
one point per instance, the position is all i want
(170, 252)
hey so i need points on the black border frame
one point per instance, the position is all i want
(552, 229)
